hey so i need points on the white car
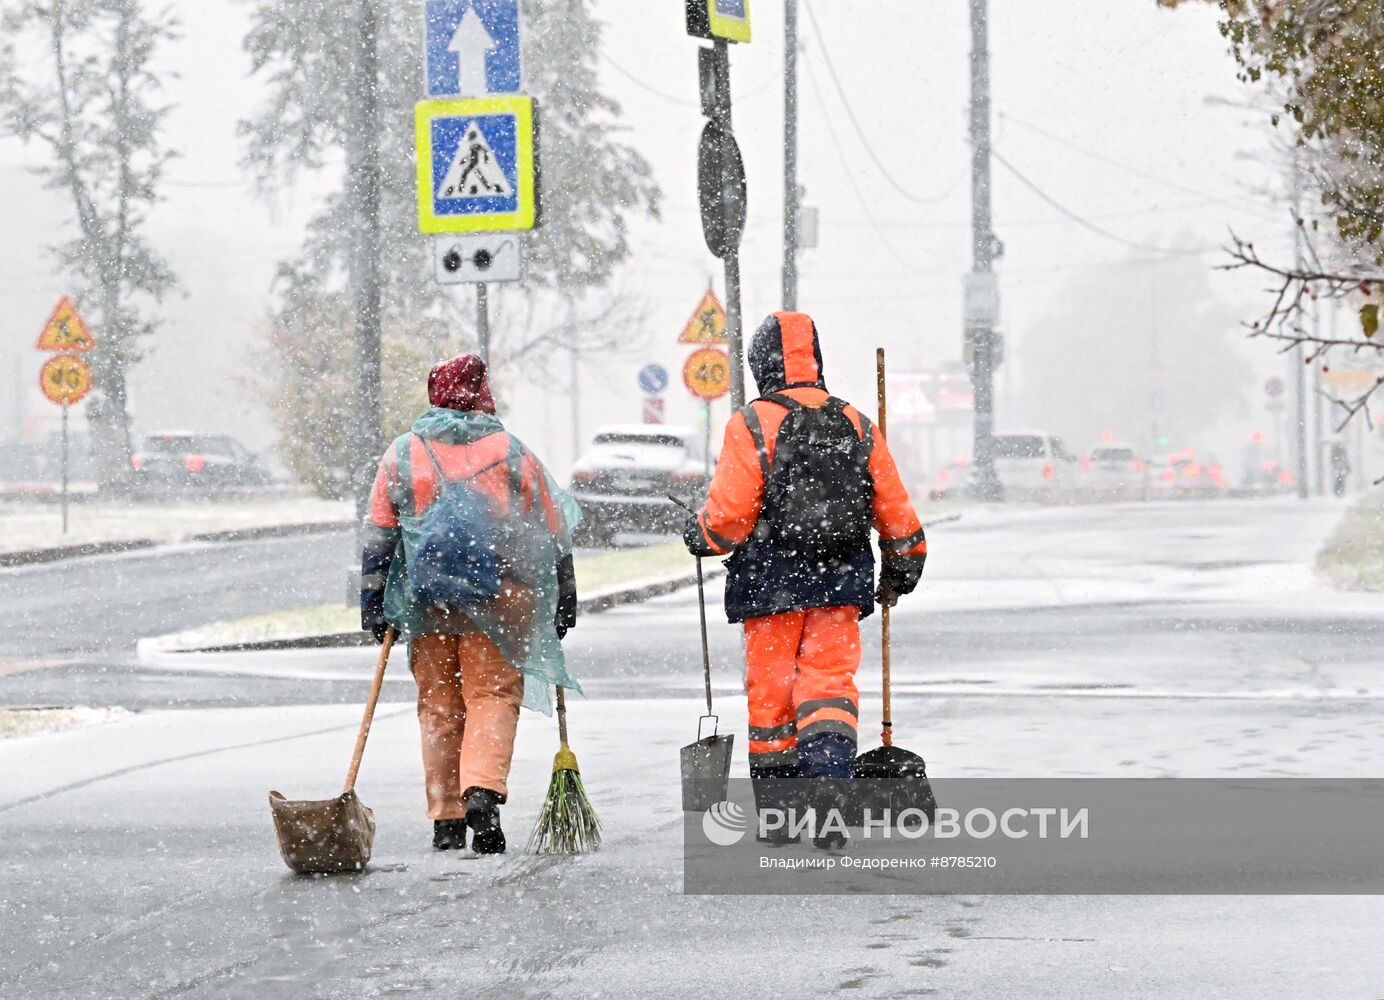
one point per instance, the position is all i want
(1113, 472)
(1034, 466)
(623, 479)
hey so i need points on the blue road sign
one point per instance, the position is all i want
(653, 379)
(472, 47)
(476, 169)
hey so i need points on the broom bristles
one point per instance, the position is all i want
(567, 823)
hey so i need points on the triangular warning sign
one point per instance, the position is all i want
(65, 331)
(474, 173)
(708, 322)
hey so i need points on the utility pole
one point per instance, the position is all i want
(982, 296)
(363, 169)
(1299, 356)
(790, 155)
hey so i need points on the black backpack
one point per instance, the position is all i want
(819, 498)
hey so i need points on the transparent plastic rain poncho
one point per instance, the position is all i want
(532, 526)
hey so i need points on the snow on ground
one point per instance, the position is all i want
(28, 525)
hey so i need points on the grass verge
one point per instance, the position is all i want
(1353, 558)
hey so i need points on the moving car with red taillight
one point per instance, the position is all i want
(952, 481)
(1182, 476)
(181, 460)
(1112, 472)
(1034, 467)
(623, 479)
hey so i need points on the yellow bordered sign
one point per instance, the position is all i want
(707, 324)
(477, 170)
(707, 373)
(729, 19)
(66, 331)
(65, 379)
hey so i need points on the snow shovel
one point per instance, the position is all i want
(328, 836)
(889, 779)
(705, 763)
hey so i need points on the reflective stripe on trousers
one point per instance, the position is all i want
(800, 678)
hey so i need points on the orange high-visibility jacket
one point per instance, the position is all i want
(786, 358)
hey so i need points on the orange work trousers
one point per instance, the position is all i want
(804, 706)
(468, 710)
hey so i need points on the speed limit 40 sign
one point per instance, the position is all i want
(707, 374)
(65, 379)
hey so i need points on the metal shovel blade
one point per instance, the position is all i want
(325, 836)
(890, 780)
(706, 772)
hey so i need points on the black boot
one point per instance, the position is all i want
(828, 798)
(483, 817)
(449, 834)
(783, 795)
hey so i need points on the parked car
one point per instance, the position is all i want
(1034, 467)
(180, 460)
(1112, 472)
(623, 479)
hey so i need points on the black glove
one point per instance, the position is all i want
(566, 597)
(886, 596)
(695, 541)
(379, 630)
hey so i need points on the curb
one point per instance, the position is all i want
(598, 602)
(34, 557)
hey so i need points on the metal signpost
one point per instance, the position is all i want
(708, 375)
(721, 188)
(477, 153)
(65, 378)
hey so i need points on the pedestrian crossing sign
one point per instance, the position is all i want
(477, 170)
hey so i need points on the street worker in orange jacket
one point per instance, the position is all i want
(801, 480)
(468, 554)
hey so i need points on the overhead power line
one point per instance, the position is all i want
(1088, 224)
(860, 132)
(1129, 168)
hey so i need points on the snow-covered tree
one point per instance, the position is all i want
(307, 129)
(93, 99)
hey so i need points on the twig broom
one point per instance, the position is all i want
(567, 823)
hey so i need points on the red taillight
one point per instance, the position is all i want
(1267, 466)
(1049, 472)
(583, 476)
(1138, 465)
(1169, 476)
(136, 461)
(1285, 476)
(1085, 465)
(195, 463)
(963, 461)
(944, 476)
(1191, 470)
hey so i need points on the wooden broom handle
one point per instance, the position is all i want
(887, 728)
(380, 664)
(561, 716)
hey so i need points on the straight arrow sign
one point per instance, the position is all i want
(472, 48)
(471, 44)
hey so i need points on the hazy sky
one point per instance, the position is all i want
(1119, 86)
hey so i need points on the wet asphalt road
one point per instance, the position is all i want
(1150, 640)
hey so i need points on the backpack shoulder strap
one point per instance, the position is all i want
(787, 402)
